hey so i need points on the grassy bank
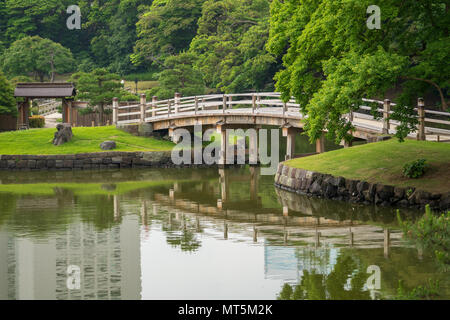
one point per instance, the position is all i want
(85, 140)
(383, 163)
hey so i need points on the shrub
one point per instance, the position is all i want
(129, 97)
(37, 121)
(414, 169)
(84, 111)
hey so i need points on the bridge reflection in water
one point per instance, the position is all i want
(109, 235)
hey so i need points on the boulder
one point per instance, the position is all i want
(384, 192)
(63, 134)
(108, 145)
(445, 201)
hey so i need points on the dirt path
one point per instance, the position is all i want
(51, 120)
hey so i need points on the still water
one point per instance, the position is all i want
(195, 234)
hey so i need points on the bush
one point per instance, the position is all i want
(84, 111)
(129, 97)
(414, 169)
(37, 121)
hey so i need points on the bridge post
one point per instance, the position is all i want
(386, 113)
(224, 103)
(253, 103)
(320, 144)
(177, 101)
(168, 109)
(196, 105)
(421, 112)
(230, 100)
(115, 111)
(142, 106)
(154, 101)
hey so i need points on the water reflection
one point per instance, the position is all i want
(193, 234)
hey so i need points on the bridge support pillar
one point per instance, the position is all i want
(320, 145)
(346, 144)
(289, 132)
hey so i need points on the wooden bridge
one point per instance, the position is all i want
(244, 110)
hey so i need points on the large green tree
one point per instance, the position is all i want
(7, 101)
(37, 56)
(165, 28)
(331, 59)
(99, 87)
(230, 45)
(179, 75)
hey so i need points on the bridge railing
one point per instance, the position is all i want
(147, 111)
(438, 121)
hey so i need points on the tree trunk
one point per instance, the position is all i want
(100, 113)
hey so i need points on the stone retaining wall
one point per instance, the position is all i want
(324, 185)
(102, 160)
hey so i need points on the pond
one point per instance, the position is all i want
(195, 234)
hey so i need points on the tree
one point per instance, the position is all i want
(7, 101)
(179, 75)
(99, 87)
(230, 45)
(165, 28)
(40, 57)
(331, 58)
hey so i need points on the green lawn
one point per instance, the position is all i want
(85, 140)
(383, 162)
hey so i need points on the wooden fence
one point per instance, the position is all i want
(92, 120)
(7, 123)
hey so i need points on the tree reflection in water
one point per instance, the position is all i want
(346, 281)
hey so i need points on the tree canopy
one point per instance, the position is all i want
(179, 76)
(99, 87)
(7, 101)
(331, 59)
(37, 56)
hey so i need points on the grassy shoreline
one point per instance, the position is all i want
(383, 162)
(85, 140)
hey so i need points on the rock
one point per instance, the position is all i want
(385, 192)
(399, 193)
(330, 191)
(315, 188)
(108, 145)
(422, 197)
(361, 187)
(63, 135)
(445, 201)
